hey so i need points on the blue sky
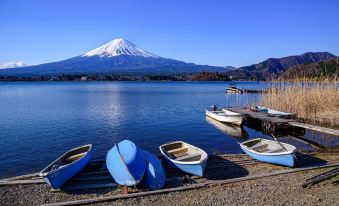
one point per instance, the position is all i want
(219, 32)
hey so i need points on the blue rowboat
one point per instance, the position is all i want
(126, 163)
(155, 176)
(270, 151)
(67, 166)
(185, 157)
(274, 112)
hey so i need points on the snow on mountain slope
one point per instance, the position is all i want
(119, 47)
(9, 65)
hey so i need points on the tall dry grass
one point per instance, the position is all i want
(315, 103)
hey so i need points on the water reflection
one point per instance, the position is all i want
(231, 130)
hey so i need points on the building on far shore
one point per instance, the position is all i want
(83, 78)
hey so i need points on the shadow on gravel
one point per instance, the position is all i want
(217, 168)
(305, 160)
(221, 169)
(89, 191)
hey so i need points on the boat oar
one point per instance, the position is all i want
(279, 142)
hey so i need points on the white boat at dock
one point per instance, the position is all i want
(225, 116)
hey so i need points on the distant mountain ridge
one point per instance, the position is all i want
(328, 69)
(122, 57)
(274, 67)
(118, 56)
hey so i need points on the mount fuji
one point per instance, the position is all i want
(116, 57)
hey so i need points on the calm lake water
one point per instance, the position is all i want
(40, 121)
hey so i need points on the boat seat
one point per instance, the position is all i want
(261, 148)
(178, 151)
(183, 158)
(276, 150)
(75, 157)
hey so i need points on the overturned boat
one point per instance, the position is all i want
(66, 166)
(155, 176)
(126, 163)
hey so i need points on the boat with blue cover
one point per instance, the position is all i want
(270, 151)
(185, 157)
(126, 163)
(274, 112)
(155, 176)
(66, 166)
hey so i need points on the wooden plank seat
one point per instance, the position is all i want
(189, 156)
(264, 148)
(75, 157)
(261, 148)
(276, 150)
(179, 152)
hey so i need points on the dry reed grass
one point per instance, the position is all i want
(315, 103)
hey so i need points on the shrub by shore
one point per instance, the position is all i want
(313, 102)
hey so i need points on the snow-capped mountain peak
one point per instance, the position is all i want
(9, 65)
(119, 47)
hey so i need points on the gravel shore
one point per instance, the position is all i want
(277, 190)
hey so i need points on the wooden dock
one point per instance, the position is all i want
(275, 124)
(315, 128)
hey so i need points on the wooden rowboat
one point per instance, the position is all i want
(185, 157)
(66, 166)
(270, 151)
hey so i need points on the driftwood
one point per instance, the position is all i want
(193, 186)
(321, 177)
(36, 174)
(21, 182)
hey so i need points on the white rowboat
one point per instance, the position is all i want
(225, 116)
(185, 157)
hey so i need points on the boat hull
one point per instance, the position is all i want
(194, 169)
(275, 112)
(126, 163)
(59, 178)
(281, 159)
(155, 176)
